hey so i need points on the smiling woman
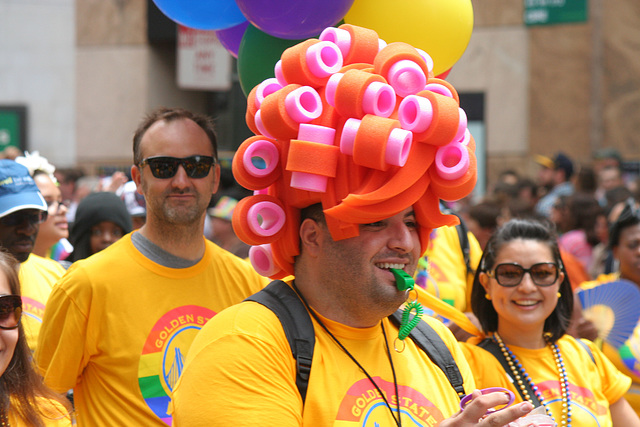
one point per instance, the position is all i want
(523, 300)
(24, 399)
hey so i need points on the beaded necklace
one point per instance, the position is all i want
(520, 375)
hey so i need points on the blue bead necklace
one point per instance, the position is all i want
(520, 375)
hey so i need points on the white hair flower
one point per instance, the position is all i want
(35, 162)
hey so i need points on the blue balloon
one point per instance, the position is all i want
(294, 19)
(202, 14)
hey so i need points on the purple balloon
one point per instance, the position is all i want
(230, 38)
(294, 19)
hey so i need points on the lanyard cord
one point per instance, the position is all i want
(397, 420)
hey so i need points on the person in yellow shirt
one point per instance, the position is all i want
(523, 299)
(119, 323)
(25, 401)
(624, 240)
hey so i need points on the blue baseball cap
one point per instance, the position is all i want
(18, 191)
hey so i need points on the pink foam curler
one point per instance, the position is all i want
(465, 138)
(303, 104)
(406, 77)
(260, 126)
(452, 161)
(264, 150)
(415, 113)
(277, 72)
(309, 182)
(379, 99)
(266, 88)
(261, 191)
(265, 218)
(342, 38)
(348, 135)
(330, 88)
(261, 258)
(438, 88)
(462, 125)
(427, 59)
(324, 59)
(316, 133)
(398, 147)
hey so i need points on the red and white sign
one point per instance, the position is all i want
(203, 63)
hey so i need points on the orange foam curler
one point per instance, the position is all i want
(364, 44)
(249, 175)
(311, 163)
(295, 68)
(450, 89)
(444, 122)
(274, 114)
(350, 92)
(458, 188)
(371, 140)
(259, 219)
(393, 54)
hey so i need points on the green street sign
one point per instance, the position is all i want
(12, 127)
(547, 12)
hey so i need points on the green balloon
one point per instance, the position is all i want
(257, 56)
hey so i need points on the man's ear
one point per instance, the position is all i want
(216, 177)
(136, 177)
(311, 237)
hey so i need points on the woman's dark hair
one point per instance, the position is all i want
(583, 212)
(527, 229)
(20, 385)
(629, 216)
(92, 210)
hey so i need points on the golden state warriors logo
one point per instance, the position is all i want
(364, 405)
(163, 355)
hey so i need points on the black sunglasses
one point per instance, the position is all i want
(510, 274)
(165, 167)
(10, 311)
(33, 217)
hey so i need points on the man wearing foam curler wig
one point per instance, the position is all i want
(345, 203)
(121, 321)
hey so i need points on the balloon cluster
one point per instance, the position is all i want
(358, 125)
(258, 31)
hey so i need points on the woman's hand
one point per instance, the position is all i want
(474, 413)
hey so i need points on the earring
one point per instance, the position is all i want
(487, 296)
(559, 294)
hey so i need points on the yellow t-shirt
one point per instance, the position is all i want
(118, 326)
(442, 271)
(240, 372)
(593, 386)
(627, 358)
(37, 276)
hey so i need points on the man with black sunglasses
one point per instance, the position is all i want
(124, 319)
(22, 210)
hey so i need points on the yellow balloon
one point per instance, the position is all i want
(442, 28)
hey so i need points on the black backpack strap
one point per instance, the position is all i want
(298, 327)
(427, 339)
(492, 347)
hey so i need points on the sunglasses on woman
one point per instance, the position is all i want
(510, 274)
(10, 311)
(165, 167)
